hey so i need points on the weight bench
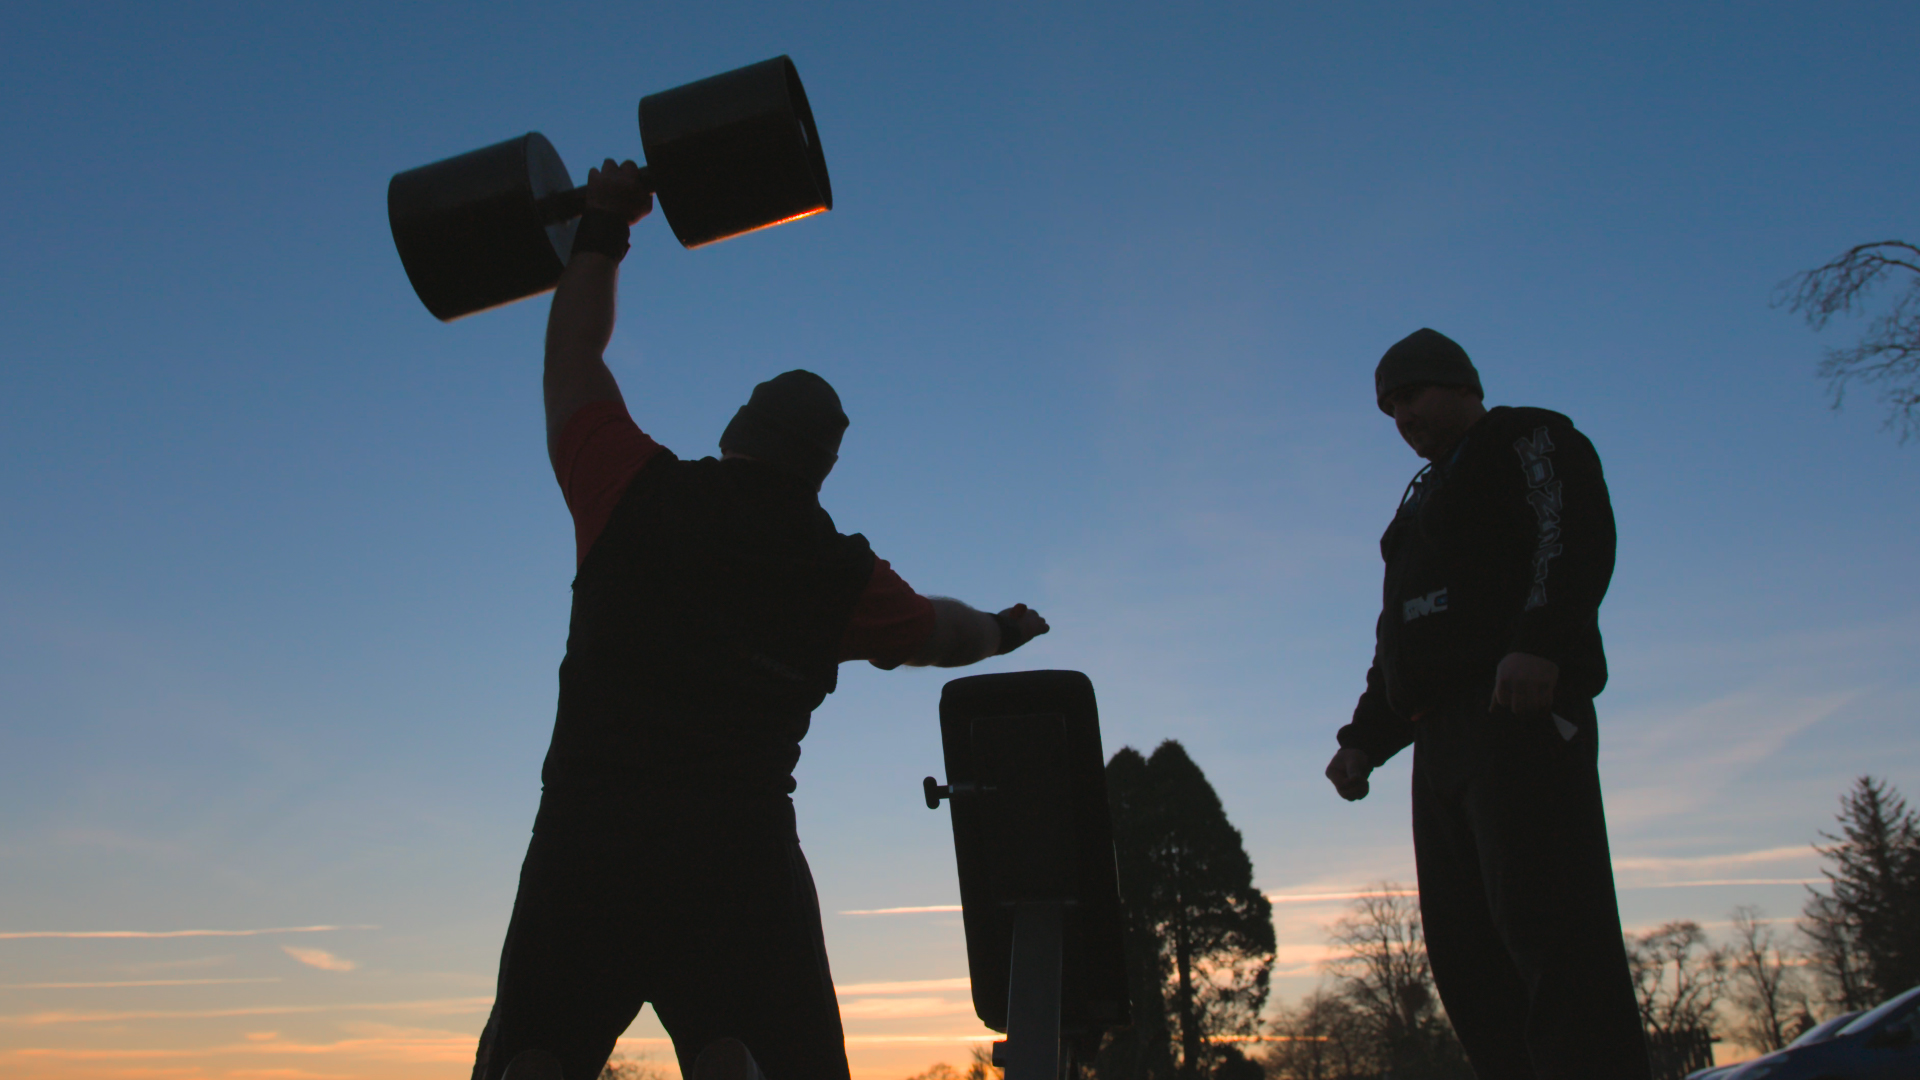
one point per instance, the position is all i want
(1033, 840)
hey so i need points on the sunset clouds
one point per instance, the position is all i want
(319, 958)
(161, 935)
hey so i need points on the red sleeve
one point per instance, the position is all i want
(600, 450)
(890, 621)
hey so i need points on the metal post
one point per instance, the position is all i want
(1033, 993)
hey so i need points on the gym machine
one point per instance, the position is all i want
(1033, 839)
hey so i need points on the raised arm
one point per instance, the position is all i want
(963, 635)
(580, 323)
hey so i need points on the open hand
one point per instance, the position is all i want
(619, 189)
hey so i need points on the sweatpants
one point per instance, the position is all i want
(1516, 895)
(719, 932)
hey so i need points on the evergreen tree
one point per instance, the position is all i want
(1866, 928)
(1833, 954)
(1143, 1051)
(1200, 938)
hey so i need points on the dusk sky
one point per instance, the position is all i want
(284, 571)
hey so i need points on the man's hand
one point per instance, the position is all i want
(1019, 624)
(962, 635)
(618, 189)
(1524, 683)
(1348, 770)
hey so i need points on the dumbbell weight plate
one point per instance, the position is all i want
(734, 153)
(726, 155)
(470, 229)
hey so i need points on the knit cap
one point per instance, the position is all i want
(1423, 358)
(793, 420)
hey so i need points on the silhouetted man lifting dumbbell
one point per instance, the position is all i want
(713, 605)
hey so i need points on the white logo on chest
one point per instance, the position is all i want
(1433, 602)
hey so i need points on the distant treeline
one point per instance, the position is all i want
(1201, 948)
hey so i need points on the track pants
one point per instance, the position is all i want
(721, 933)
(1516, 895)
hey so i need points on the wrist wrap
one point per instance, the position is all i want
(1011, 636)
(602, 231)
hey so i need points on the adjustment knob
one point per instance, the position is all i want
(935, 791)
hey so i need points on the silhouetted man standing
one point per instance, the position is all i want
(1487, 658)
(714, 602)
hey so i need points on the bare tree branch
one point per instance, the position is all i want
(1766, 986)
(1678, 976)
(1382, 961)
(1887, 356)
(1382, 977)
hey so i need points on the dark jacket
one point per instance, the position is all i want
(1504, 545)
(706, 628)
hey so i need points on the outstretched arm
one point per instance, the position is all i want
(580, 323)
(962, 635)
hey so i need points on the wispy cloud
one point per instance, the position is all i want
(1697, 871)
(19, 935)
(400, 1045)
(50, 1017)
(1643, 866)
(319, 958)
(915, 986)
(1705, 862)
(1678, 762)
(1330, 897)
(873, 1039)
(1724, 881)
(898, 1008)
(905, 910)
(186, 963)
(132, 982)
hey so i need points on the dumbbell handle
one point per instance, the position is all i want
(564, 206)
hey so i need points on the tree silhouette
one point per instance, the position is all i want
(1834, 955)
(980, 1067)
(1678, 977)
(1888, 354)
(1323, 1038)
(622, 1067)
(1382, 967)
(1765, 984)
(1200, 937)
(1866, 927)
(1381, 970)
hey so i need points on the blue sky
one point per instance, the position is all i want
(283, 572)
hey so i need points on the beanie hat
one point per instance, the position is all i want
(793, 420)
(1423, 358)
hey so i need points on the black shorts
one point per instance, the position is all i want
(720, 932)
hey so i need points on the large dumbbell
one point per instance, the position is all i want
(725, 155)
